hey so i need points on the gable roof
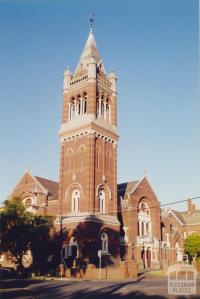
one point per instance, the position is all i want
(46, 186)
(49, 185)
(179, 216)
(193, 218)
(185, 218)
(124, 188)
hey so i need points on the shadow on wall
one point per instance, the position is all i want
(82, 243)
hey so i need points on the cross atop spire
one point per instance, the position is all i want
(91, 21)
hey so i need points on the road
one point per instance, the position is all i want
(151, 287)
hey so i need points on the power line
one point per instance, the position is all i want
(130, 210)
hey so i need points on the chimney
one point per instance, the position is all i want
(191, 206)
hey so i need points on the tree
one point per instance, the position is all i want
(41, 243)
(15, 237)
(22, 231)
(192, 246)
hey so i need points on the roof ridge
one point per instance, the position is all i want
(39, 177)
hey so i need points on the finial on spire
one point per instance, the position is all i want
(91, 21)
(28, 168)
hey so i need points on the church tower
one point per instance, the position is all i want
(88, 158)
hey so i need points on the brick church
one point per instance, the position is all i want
(122, 220)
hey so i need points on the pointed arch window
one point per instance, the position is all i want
(28, 202)
(70, 159)
(108, 162)
(77, 106)
(85, 107)
(102, 108)
(71, 249)
(84, 103)
(75, 201)
(82, 150)
(104, 243)
(144, 219)
(97, 158)
(102, 201)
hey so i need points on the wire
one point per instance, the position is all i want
(129, 210)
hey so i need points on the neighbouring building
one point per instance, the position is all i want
(176, 226)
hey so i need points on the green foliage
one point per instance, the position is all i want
(15, 225)
(41, 243)
(192, 245)
(22, 231)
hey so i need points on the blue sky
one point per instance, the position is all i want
(153, 47)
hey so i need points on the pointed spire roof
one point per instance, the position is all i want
(90, 51)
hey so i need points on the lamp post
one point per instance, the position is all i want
(99, 255)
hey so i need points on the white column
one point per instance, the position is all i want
(167, 239)
(140, 228)
(69, 111)
(99, 112)
(104, 103)
(76, 110)
(109, 116)
(150, 229)
(145, 228)
(81, 106)
(156, 257)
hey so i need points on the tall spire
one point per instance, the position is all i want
(90, 51)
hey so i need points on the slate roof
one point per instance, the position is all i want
(125, 188)
(186, 218)
(51, 186)
(179, 216)
(192, 218)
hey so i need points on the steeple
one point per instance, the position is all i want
(90, 51)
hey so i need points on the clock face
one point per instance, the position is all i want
(27, 259)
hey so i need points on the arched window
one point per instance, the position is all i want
(97, 103)
(79, 108)
(70, 159)
(98, 153)
(28, 202)
(84, 103)
(142, 233)
(82, 150)
(143, 207)
(144, 220)
(108, 161)
(147, 228)
(72, 114)
(104, 243)
(102, 204)
(71, 249)
(108, 111)
(85, 107)
(179, 253)
(75, 201)
(102, 108)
